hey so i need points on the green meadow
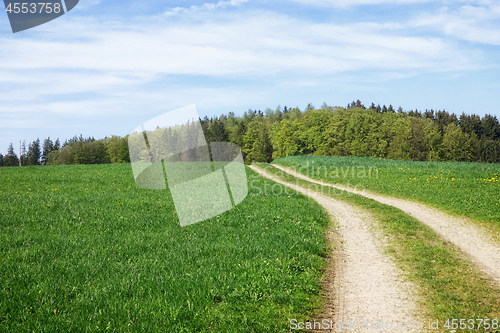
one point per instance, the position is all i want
(83, 249)
(447, 285)
(468, 189)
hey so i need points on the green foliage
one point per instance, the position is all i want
(85, 250)
(456, 144)
(117, 149)
(283, 140)
(256, 142)
(333, 131)
(90, 151)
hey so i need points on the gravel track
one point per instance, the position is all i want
(363, 284)
(475, 242)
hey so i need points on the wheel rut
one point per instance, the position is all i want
(473, 241)
(364, 286)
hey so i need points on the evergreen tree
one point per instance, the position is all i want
(57, 144)
(1, 160)
(216, 132)
(359, 104)
(48, 146)
(470, 124)
(490, 127)
(414, 114)
(490, 150)
(237, 132)
(33, 156)
(429, 114)
(443, 119)
(11, 158)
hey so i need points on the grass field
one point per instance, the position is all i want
(449, 287)
(469, 189)
(83, 249)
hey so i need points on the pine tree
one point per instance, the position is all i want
(34, 153)
(429, 114)
(470, 124)
(11, 158)
(217, 132)
(358, 104)
(490, 127)
(48, 146)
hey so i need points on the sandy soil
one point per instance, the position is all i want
(475, 242)
(363, 284)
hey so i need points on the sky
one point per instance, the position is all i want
(108, 66)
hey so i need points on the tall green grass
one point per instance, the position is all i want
(449, 287)
(83, 249)
(469, 189)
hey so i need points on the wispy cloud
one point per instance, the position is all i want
(125, 64)
(352, 3)
(247, 45)
(205, 6)
(477, 23)
(243, 56)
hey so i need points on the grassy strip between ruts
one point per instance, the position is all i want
(464, 189)
(85, 250)
(450, 286)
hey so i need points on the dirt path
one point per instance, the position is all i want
(366, 284)
(475, 242)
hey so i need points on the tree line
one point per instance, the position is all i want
(354, 130)
(77, 150)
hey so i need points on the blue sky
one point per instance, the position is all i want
(108, 66)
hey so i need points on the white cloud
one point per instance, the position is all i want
(352, 3)
(205, 6)
(112, 70)
(114, 63)
(478, 23)
(249, 45)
